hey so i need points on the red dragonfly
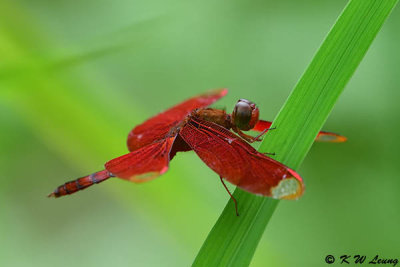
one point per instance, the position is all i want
(190, 125)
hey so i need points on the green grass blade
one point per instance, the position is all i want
(233, 240)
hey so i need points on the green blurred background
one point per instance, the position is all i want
(75, 77)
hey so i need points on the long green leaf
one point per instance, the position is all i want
(233, 240)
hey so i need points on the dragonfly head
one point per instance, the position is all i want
(245, 115)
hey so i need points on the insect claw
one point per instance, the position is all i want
(270, 154)
(258, 137)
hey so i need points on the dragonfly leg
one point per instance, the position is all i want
(250, 138)
(246, 137)
(269, 153)
(234, 200)
(263, 132)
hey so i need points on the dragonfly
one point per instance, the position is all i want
(216, 136)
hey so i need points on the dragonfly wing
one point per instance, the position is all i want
(157, 127)
(239, 163)
(321, 137)
(330, 137)
(262, 125)
(143, 164)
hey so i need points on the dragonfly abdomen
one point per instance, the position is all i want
(81, 183)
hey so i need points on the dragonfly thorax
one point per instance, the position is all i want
(214, 115)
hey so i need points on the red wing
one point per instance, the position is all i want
(158, 126)
(239, 163)
(262, 125)
(321, 137)
(143, 164)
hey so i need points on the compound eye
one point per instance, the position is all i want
(241, 114)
